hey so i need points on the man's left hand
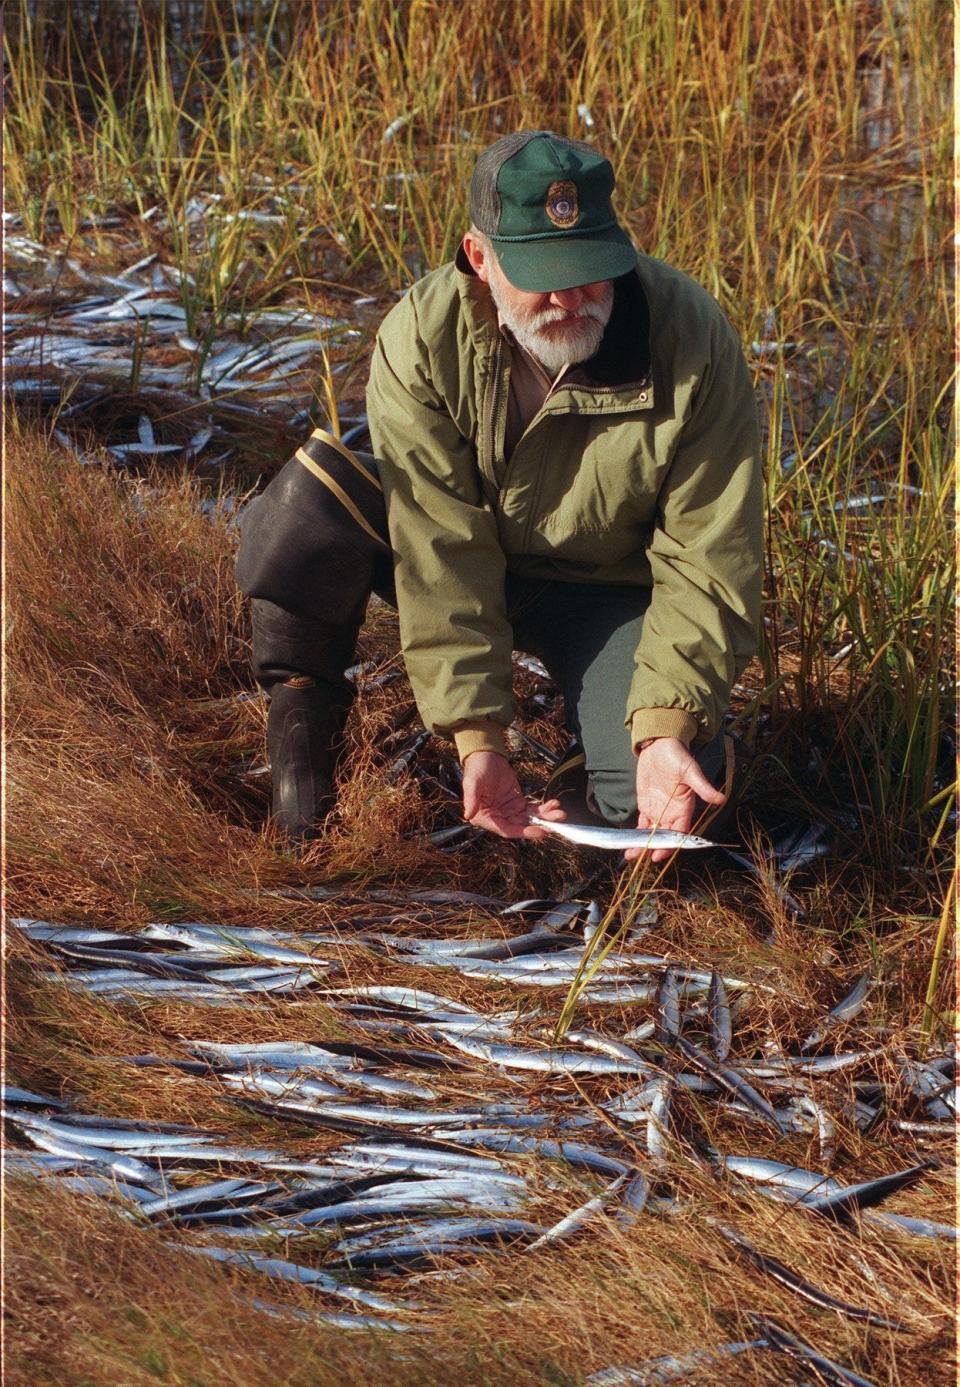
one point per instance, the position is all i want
(669, 781)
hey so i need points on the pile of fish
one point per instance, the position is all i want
(142, 331)
(409, 1174)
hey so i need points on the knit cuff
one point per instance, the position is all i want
(648, 723)
(480, 736)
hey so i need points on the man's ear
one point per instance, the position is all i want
(476, 254)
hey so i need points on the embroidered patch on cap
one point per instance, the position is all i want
(561, 205)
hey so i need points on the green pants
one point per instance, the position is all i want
(586, 634)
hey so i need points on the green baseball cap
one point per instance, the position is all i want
(544, 202)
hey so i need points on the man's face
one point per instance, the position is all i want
(558, 328)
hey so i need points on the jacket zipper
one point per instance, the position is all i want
(487, 458)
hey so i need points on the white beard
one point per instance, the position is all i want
(555, 347)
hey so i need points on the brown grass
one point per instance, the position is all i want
(127, 638)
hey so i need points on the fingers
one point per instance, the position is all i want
(699, 783)
(504, 825)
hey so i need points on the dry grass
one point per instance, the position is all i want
(125, 810)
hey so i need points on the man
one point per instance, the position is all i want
(567, 463)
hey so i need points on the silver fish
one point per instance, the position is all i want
(452, 1229)
(575, 1220)
(201, 1195)
(833, 1373)
(574, 1153)
(624, 992)
(903, 1223)
(417, 1195)
(117, 1138)
(730, 1079)
(845, 1010)
(656, 1372)
(667, 1009)
(633, 1200)
(304, 1276)
(536, 941)
(412, 999)
(542, 1061)
(439, 1238)
(930, 1085)
(233, 939)
(805, 1064)
(10, 1093)
(790, 1177)
(279, 1085)
(418, 1160)
(379, 1114)
(66, 934)
(826, 1132)
(619, 839)
(126, 1166)
(787, 1277)
(840, 1204)
(658, 1124)
(718, 1012)
(105, 1188)
(592, 1040)
(324, 1317)
(378, 1083)
(290, 1054)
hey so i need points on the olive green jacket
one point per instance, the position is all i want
(642, 467)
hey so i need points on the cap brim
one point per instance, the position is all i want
(565, 261)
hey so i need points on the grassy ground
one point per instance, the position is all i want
(795, 160)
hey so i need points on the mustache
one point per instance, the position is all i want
(586, 313)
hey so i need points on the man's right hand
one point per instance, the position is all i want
(492, 797)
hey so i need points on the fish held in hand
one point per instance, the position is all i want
(619, 839)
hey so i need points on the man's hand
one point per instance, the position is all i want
(492, 798)
(668, 784)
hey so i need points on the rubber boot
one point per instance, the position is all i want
(305, 725)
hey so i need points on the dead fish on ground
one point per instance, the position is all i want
(233, 939)
(126, 1166)
(11, 1094)
(633, 1199)
(656, 1372)
(919, 1227)
(572, 1222)
(324, 1317)
(730, 1079)
(718, 1013)
(782, 1273)
(834, 1373)
(439, 1238)
(667, 1023)
(793, 1179)
(845, 1010)
(406, 1197)
(840, 1204)
(303, 1276)
(210, 1196)
(658, 1122)
(543, 1061)
(251, 1262)
(409, 998)
(44, 930)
